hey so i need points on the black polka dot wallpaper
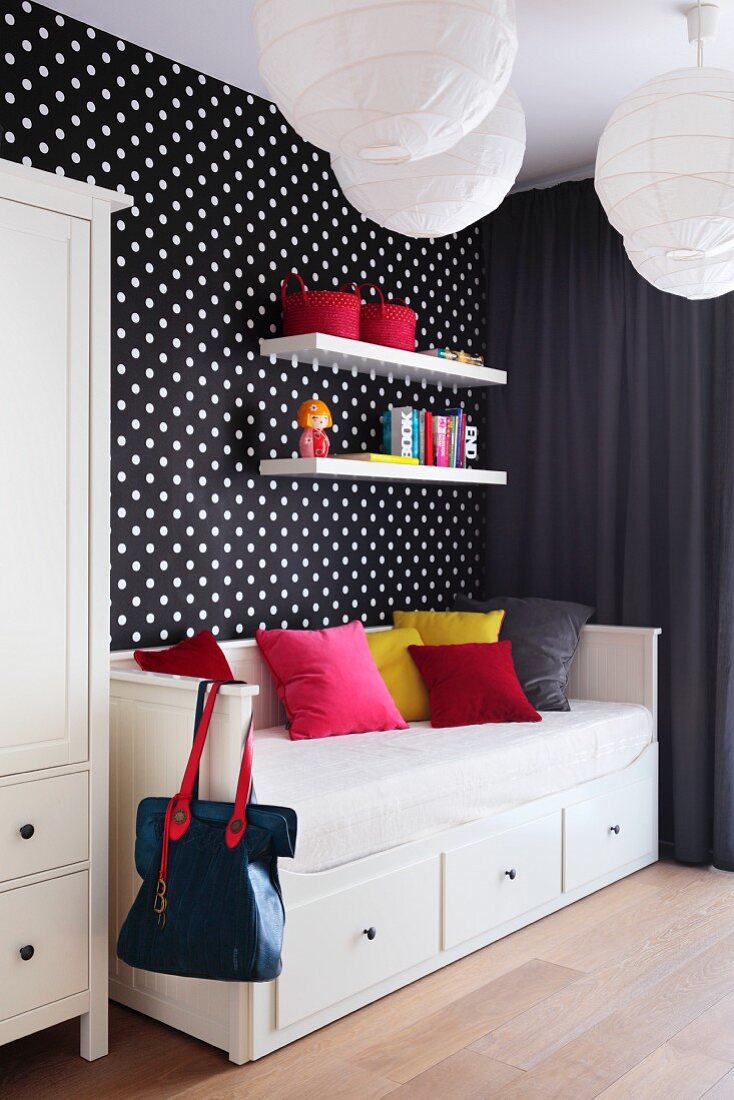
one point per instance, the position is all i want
(227, 200)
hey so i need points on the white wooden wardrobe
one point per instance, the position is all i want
(54, 601)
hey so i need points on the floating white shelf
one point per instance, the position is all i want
(378, 471)
(362, 358)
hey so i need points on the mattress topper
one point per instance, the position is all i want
(364, 793)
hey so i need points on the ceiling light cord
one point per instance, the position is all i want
(699, 49)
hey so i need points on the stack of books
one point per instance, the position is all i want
(371, 456)
(433, 439)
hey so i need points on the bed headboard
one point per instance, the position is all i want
(617, 664)
(612, 663)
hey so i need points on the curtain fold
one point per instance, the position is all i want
(617, 432)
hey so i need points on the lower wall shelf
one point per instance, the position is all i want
(353, 469)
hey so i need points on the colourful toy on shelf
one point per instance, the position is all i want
(314, 417)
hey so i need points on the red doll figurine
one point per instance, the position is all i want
(314, 417)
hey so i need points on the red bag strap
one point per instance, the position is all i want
(178, 811)
(284, 285)
(237, 824)
(373, 286)
(180, 816)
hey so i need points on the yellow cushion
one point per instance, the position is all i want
(389, 649)
(452, 627)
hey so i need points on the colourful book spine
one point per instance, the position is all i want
(429, 438)
(439, 433)
(458, 417)
(422, 436)
(416, 434)
(455, 421)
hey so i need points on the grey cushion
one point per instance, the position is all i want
(544, 636)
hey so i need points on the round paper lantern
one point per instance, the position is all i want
(443, 194)
(665, 177)
(385, 80)
(689, 277)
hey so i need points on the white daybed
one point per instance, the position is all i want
(414, 834)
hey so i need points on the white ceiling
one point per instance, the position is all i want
(577, 58)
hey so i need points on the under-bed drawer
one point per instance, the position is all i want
(605, 833)
(492, 881)
(43, 825)
(340, 945)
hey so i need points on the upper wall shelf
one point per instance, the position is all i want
(374, 359)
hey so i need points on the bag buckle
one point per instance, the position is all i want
(160, 902)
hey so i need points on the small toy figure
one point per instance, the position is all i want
(314, 417)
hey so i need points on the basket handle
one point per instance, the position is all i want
(354, 287)
(284, 284)
(373, 286)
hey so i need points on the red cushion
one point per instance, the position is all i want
(473, 683)
(328, 682)
(199, 656)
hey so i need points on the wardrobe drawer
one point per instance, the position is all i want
(491, 881)
(608, 832)
(53, 814)
(52, 919)
(327, 954)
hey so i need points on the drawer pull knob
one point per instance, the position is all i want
(511, 874)
(27, 952)
(27, 831)
(370, 933)
(614, 829)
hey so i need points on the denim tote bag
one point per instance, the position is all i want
(210, 904)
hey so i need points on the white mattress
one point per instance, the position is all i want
(368, 792)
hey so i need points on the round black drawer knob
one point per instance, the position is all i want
(27, 831)
(27, 952)
(614, 829)
(370, 933)
(511, 874)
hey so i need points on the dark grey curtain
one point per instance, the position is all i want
(617, 433)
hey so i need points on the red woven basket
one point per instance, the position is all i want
(391, 324)
(335, 312)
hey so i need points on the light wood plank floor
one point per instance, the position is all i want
(627, 994)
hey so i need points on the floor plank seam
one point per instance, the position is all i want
(623, 1000)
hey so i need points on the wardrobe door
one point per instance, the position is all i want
(44, 442)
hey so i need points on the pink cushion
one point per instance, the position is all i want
(199, 656)
(328, 682)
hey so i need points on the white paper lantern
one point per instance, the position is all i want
(442, 194)
(689, 277)
(385, 80)
(665, 177)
